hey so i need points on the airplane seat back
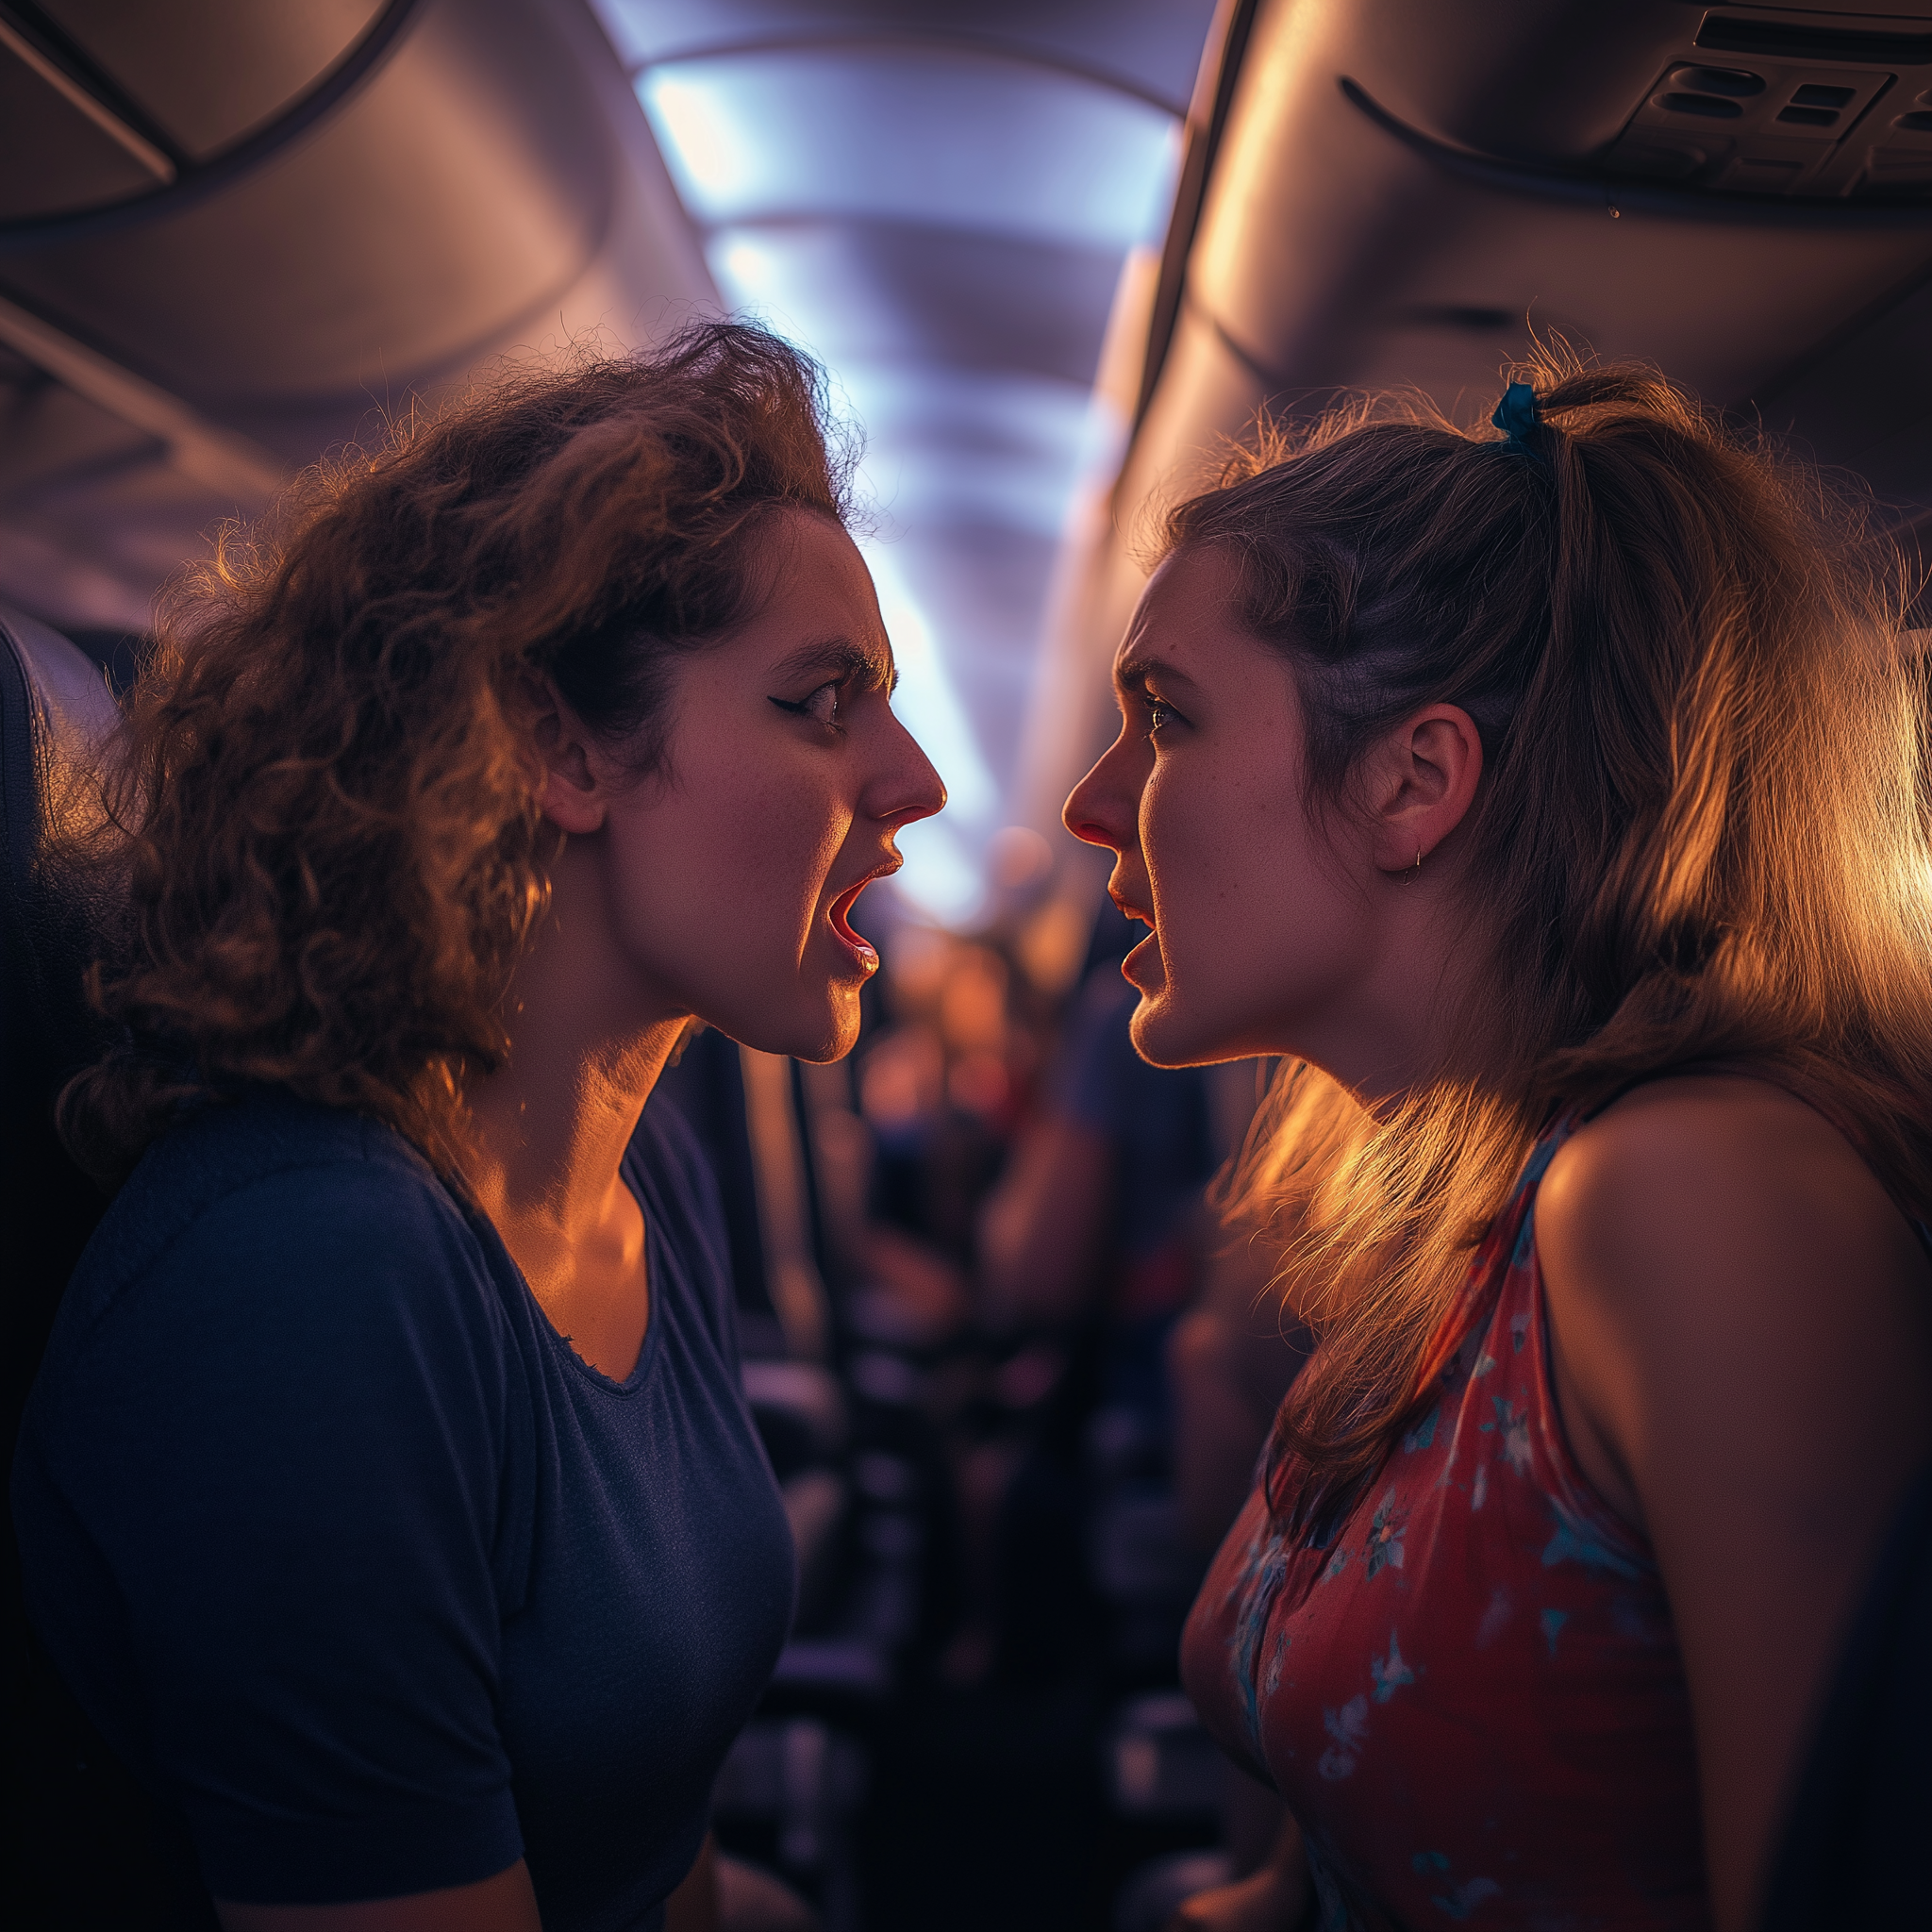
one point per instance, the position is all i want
(56, 709)
(80, 1848)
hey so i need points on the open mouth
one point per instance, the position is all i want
(840, 914)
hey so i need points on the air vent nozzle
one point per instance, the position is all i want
(1717, 81)
(1709, 106)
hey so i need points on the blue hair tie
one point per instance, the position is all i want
(1516, 416)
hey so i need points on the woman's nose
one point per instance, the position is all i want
(1096, 812)
(910, 789)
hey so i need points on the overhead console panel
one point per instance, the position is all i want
(1770, 105)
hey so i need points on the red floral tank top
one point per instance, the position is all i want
(1469, 1692)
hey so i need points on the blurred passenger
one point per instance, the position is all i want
(1230, 1359)
(1090, 1245)
(1553, 800)
(1097, 1210)
(902, 1173)
(388, 1496)
(938, 1086)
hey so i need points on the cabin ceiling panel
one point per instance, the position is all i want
(461, 188)
(55, 152)
(1376, 232)
(1864, 399)
(994, 577)
(488, 186)
(210, 72)
(1549, 80)
(1489, 191)
(53, 442)
(95, 542)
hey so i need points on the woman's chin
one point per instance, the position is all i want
(1160, 1034)
(835, 1041)
(818, 1029)
(1166, 1034)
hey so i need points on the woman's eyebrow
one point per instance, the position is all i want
(1130, 673)
(845, 656)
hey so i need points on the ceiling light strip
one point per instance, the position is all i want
(911, 40)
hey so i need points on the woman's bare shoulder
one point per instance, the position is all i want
(1708, 1118)
(1711, 1243)
(1703, 1164)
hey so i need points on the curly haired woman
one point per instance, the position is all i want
(1552, 801)
(386, 1495)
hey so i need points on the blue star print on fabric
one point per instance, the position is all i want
(1261, 1573)
(1553, 1621)
(1384, 1546)
(1576, 1542)
(1347, 1728)
(1513, 1420)
(1389, 1672)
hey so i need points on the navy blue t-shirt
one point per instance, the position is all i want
(356, 1563)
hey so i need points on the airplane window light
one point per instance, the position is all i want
(1017, 490)
(1034, 412)
(715, 163)
(749, 268)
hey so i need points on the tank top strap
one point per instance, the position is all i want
(1499, 1357)
(1505, 1246)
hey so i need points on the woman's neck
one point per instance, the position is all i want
(1428, 1012)
(550, 1127)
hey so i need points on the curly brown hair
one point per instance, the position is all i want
(322, 792)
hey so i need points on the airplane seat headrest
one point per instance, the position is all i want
(93, 1840)
(55, 713)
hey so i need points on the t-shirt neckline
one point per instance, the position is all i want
(654, 1275)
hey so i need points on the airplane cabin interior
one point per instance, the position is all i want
(1053, 257)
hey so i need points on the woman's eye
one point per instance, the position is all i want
(822, 707)
(1157, 715)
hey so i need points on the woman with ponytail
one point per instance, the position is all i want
(1552, 801)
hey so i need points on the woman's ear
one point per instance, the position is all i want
(569, 786)
(1422, 782)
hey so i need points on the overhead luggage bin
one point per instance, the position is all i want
(353, 204)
